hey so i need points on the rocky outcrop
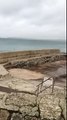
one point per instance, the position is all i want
(29, 63)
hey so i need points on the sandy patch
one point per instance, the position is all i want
(25, 74)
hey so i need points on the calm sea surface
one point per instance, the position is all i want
(10, 44)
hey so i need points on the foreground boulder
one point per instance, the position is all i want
(4, 114)
(52, 106)
(49, 108)
(22, 102)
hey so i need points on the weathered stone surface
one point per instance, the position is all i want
(50, 107)
(28, 110)
(31, 118)
(63, 107)
(26, 106)
(18, 116)
(3, 71)
(19, 84)
(4, 114)
(20, 99)
(25, 103)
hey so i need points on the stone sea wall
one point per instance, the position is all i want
(9, 56)
(36, 61)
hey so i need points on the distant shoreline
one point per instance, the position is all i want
(50, 49)
(15, 51)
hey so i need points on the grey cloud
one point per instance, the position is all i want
(13, 6)
(10, 6)
(32, 18)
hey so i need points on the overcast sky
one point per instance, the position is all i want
(37, 19)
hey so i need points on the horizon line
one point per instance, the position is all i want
(28, 38)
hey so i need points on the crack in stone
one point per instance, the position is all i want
(62, 116)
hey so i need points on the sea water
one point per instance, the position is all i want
(16, 44)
